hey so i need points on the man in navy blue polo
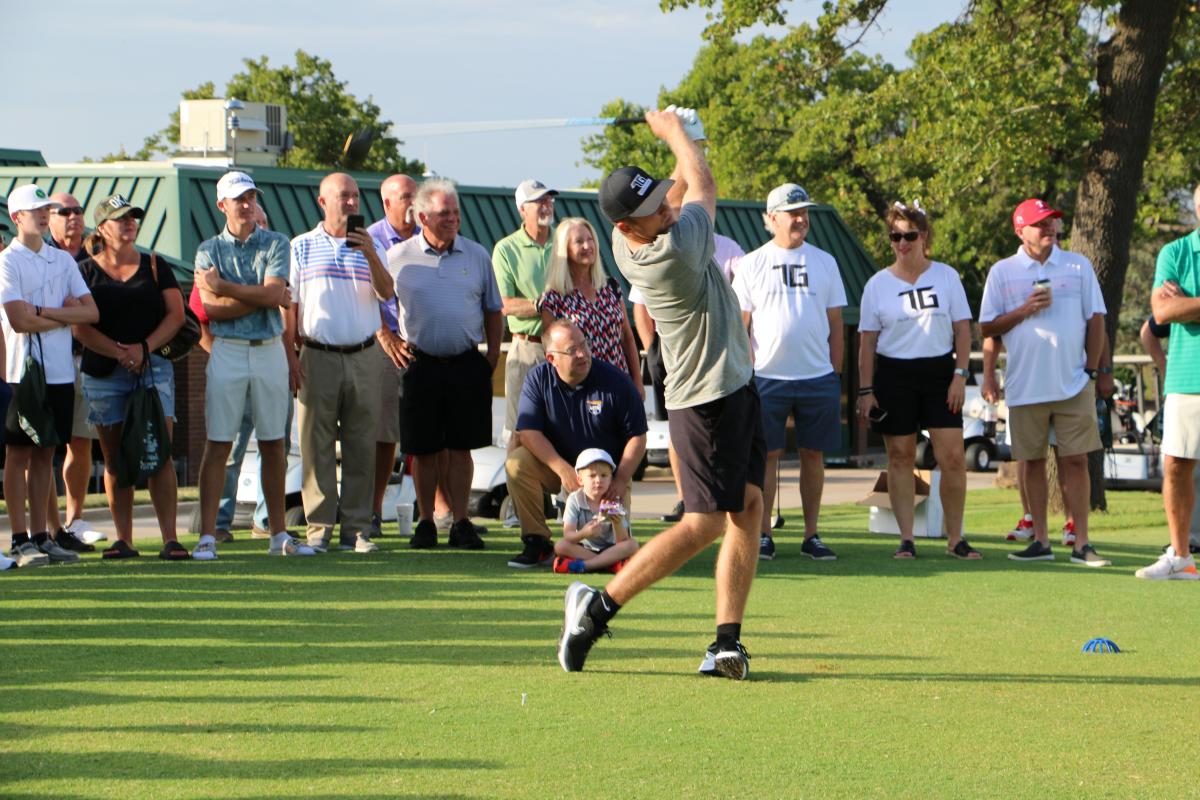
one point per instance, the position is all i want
(568, 404)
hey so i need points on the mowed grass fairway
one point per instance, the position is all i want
(433, 674)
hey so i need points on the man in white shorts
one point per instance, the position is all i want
(1176, 300)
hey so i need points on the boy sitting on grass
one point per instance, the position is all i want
(596, 533)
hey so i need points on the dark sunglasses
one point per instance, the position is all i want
(67, 211)
(908, 236)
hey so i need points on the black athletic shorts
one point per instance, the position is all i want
(721, 448)
(445, 403)
(913, 393)
(62, 405)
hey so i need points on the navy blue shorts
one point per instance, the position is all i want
(814, 403)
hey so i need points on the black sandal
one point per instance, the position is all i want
(120, 550)
(174, 551)
(964, 551)
(906, 549)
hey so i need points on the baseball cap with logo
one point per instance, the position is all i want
(114, 207)
(29, 198)
(1031, 212)
(631, 192)
(788, 197)
(591, 455)
(531, 190)
(233, 185)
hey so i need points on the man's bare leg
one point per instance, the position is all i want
(1178, 499)
(738, 559)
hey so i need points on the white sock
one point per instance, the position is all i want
(279, 538)
(207, 538)
(1029, 517)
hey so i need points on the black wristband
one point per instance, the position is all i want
(866, 390)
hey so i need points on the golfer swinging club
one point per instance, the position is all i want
(715, 420)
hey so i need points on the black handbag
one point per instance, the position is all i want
(145, 443)
(188, 334)
(32, 409)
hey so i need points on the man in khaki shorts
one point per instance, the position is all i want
(1176, 299)
(1047, 305)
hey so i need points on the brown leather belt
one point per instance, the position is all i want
(528, 337)
(339, 348)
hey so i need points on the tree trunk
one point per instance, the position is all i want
(1129, 68)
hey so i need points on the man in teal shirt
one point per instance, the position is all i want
(1176, 299)
(520, 260)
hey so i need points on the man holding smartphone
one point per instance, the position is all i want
(1047, 305)
(337, 279)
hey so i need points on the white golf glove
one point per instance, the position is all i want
(692, 125)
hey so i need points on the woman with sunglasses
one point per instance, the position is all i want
(141, 309)
(914, 345)
(578, 289)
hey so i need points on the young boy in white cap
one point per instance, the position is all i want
(596, 535)
(43, 294)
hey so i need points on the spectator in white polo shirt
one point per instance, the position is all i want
(1047, 305)
(43, 293)
(791, 296)
(449, 303)
(337, 279)
(915, 340)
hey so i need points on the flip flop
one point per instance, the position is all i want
(174, 551)
(120, 550)
(906, 550)
(964, 551)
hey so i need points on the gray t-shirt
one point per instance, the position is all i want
(579, 512)
(705, 348)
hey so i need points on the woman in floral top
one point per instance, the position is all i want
(576, 288)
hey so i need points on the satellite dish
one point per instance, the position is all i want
(358, 144)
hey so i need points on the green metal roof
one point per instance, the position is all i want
(10, 157)
(181, 211)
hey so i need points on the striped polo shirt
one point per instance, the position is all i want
(332, 283)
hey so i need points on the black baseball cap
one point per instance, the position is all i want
(631, 192)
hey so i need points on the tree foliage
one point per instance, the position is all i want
(321, 113)
(1001, 104)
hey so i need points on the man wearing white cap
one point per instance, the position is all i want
(791, 295)
(520, 260)
(43, 293)
(242, 277)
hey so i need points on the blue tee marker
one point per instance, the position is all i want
(1099, 645)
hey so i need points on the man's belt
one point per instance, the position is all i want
(339, 348)
(529, 337)
(249, 342)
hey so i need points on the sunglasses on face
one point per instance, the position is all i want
(908, 236)
(68, 211)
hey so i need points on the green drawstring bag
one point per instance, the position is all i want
(145, 443)
(34, 415)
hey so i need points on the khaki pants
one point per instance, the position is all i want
(523, 355)
(338, 401)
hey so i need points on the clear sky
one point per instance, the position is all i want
(85, 78)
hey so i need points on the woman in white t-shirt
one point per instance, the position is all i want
(914, 344)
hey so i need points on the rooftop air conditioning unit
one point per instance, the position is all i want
(249, 134)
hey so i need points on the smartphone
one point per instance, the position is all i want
(876, 414)
(355, 223)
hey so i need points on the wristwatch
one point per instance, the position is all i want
(965, 373)
(1091, 373)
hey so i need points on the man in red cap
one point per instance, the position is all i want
(1046, 304)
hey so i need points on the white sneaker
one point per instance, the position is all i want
(1068, 534)
(1170, 567)
(512, 520)
(1023, 532)
(206, 550)
(82, 530)
(6, 563)
(284, 545)
(362, 544)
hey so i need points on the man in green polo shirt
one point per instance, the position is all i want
(1176, 299)
(520, 260)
